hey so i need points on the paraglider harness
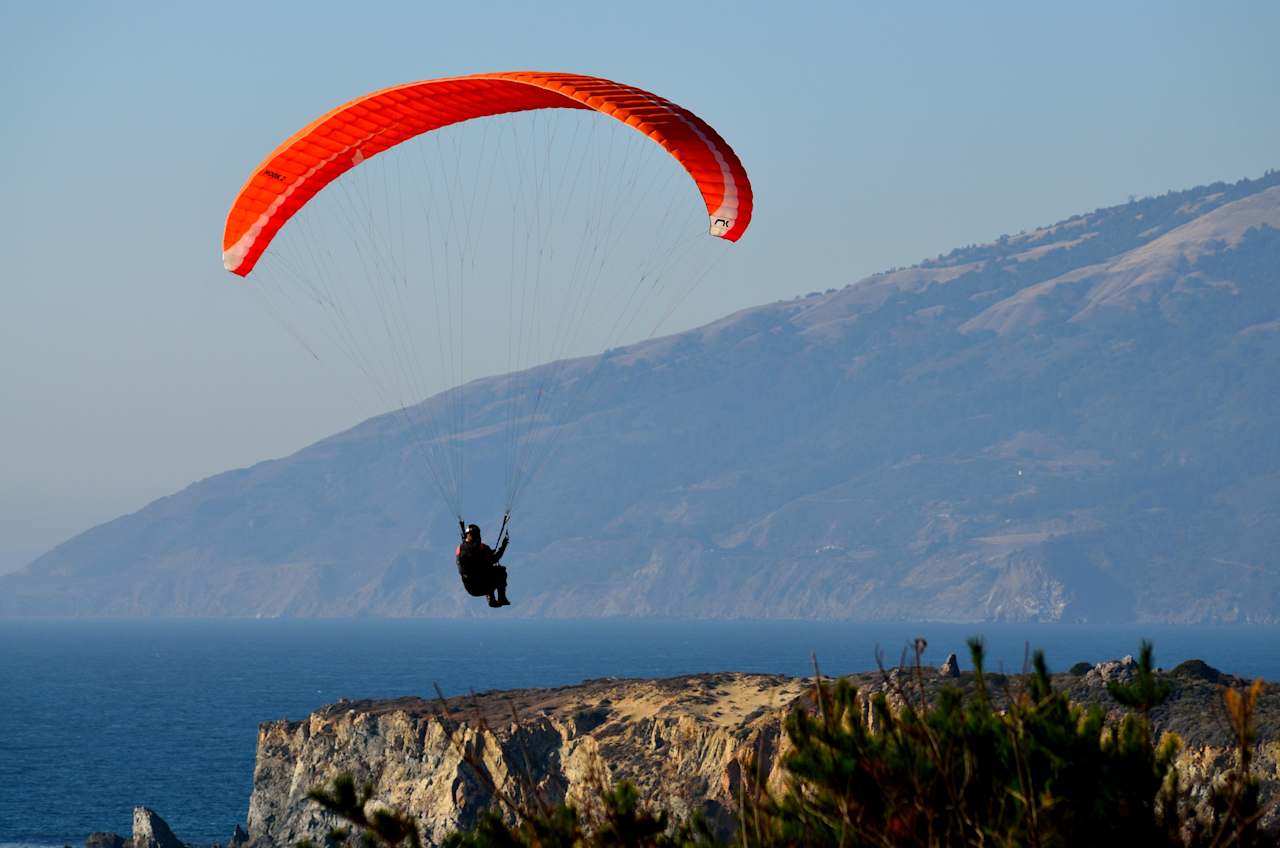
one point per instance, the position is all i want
(478, 563)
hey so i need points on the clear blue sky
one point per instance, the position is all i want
(875, 135)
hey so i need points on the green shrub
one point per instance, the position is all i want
(962, 772)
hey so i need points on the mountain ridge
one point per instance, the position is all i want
(1094, 449)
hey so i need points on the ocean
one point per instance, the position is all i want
(99, 716)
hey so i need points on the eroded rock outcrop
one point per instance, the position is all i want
(688, 743)
(950, 668)
(151, 831)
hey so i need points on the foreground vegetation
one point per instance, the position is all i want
(991, 766)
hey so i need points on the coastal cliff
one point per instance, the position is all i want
(688, 743)
(683, 741)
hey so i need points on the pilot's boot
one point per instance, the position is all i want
(502, 598)
(494, 602)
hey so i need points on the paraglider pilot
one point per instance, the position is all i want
(478, 565)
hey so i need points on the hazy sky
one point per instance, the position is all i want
(875, 135)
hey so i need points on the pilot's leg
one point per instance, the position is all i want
(500, 575)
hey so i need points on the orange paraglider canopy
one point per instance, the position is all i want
(333, 144)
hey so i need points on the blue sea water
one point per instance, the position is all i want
(99, 716)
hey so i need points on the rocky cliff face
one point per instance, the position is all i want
(688, 743)
(684, 742)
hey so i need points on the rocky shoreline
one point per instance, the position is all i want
(151, 831)
(688, 743)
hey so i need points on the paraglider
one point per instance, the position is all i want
(353, 133)
(546, 212)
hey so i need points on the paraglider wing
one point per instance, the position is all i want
(333, 144)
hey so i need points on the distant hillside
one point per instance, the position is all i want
(1076, 423)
